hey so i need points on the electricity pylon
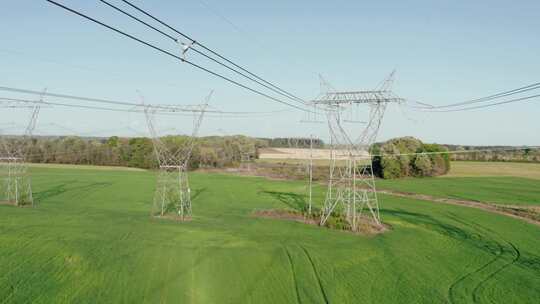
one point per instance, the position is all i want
(172, 197)
(15, 182)
(247, 156)
(351, 183)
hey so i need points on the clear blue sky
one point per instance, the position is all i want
(444, 51)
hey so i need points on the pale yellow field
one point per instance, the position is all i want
(297, 153)
(471, 169)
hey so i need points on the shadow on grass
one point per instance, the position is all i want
(471, 237)
(53, 191)
(198, 192)
(64, 188)
(292, 200)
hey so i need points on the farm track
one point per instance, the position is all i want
(493, 208)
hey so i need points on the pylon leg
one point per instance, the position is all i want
(172, 197)
(15, 187)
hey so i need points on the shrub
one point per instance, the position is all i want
(399, 158)
(422, 165)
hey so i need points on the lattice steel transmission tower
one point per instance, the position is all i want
(15, 182)
(247, 157)
(351, 184)
(172, 198)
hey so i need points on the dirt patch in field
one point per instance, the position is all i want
(171, 217)
(285, 215)
(6, 203)
(529, 214)
(366, 226)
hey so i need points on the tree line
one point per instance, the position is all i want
(495, 153)
(210, 151)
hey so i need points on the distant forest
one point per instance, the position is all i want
(209, 152)
(213, 151)
(494, 153)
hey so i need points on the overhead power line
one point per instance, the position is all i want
(187, 109)
(194, 49)
(195, 42)
(218, 115)
(139, 20)
(485, 105)
(156, 48)
(492, 97)
(527, 88)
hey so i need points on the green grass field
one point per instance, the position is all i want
(91, 240)
(500, 190)
(501, 183)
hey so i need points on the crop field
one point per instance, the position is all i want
(300, 156)
(475, 169)
(303, 153)
(91, 240)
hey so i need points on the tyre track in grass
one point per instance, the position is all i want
(477, 271)
(154, 257)
(298, 300)
(493, 274)
(325, 297)
(32, 277)
(475, 294)
(516, 254)
(192, 275)
(480, 286)
(451, 288)
(19, 280)
(24, 247)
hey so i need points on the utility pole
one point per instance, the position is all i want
(310, 169)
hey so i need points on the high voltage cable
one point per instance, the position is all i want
(527, 88)
(249, 37)
(485, 105)
(523, 89)
(122, 103)
(209, 50)
(203, 54)
(175, 56)
(139, 20)
(217, 114)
